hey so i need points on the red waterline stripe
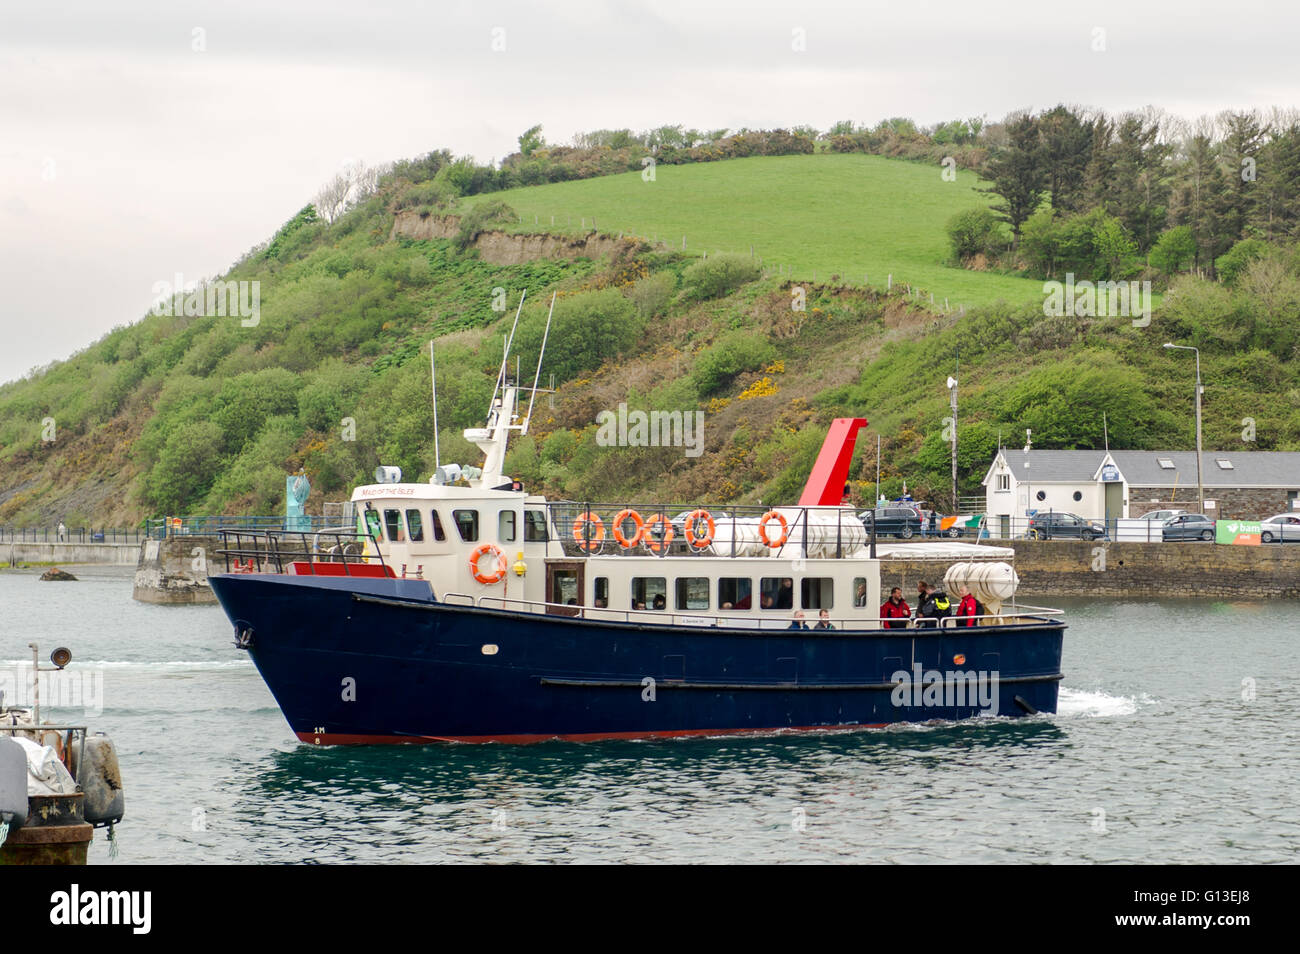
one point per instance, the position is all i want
(331, 738)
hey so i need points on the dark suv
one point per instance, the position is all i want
(897, 521)
(1064, 526)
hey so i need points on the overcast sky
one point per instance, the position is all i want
(142, 139)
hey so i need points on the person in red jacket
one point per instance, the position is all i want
(967, 608)
(896, 610)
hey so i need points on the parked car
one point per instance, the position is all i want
(679, 522)
(892, 521)
(1188, 526)
(1064, 526)
(1282, 527)
(1162, 515)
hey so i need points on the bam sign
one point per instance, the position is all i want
(1239, 532)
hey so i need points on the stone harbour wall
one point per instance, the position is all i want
(1097, 568)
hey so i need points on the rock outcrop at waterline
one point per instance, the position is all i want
(54, 573)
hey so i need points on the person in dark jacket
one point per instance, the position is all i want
(895, 610)
(967, 609)
(797, 622)
(935, 608)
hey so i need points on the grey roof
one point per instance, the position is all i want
(1141, 468)
(1249, 468)
(1047, 466)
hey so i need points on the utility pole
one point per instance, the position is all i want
(952, 395)
(1200, 486)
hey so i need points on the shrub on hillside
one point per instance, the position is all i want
(974, 232)
(586, 330)
(652, 294)
(426, 197)
(722, 274)
(1235, 260)
(738, 352)
(1174, 250)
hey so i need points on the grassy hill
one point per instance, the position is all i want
(828, 214)
(191, 414)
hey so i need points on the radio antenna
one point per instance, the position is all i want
(433, 380)
(505, 355)
(537, 377)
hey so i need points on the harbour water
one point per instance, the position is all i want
(1175, 742)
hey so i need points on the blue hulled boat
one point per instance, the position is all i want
(466, 609)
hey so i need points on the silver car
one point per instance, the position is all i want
(1283, 527)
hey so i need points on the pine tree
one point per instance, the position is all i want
(1066, 143)
(1016, 174)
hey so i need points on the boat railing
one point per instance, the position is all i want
(344, 550)
(1016, 616)
(38, 730)
(587, 528)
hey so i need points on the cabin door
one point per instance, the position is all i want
(564, 586)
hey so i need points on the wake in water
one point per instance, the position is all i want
(1074, 703)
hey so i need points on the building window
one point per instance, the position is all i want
(506, 526)
(1078, 495)
(692, 592)
(735, 593)
(776, 593)
(818, 592)
(1004, 482)
(438, 533)
(1224, 463)
(1165, 463)
(466, 524)
(534, 526)
(1041, 495)
(649, 593)
(415, 525)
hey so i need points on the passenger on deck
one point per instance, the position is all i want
(766, 601)
(860, 597)
(797, 622)
(967, 609)
(824, 620)
(895, 610)
(659, 602)
(785, 595)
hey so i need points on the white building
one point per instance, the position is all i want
(1107, 485)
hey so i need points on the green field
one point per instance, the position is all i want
(819, 215)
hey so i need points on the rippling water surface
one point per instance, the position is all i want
(1160, 753)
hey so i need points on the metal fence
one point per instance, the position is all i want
(160, 528)
(131, 535)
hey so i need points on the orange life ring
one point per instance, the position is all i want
(597, 535)
(762, 529)
(648, 538)
(696, 541)
(620, 536)
(485, 578)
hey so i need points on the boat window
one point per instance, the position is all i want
(735, 593)
(649, 592)
(534, 526)
(818, 592)
(466, 524)
(692, 592)
(415, 525)
(859, 591)
(601, 591)
(438, 533)
(776, 593)
(372, 524)
(506, 526)
(393, 522)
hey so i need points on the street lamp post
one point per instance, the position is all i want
(1200, 486)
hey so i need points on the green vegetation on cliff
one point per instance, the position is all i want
(204, 413)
